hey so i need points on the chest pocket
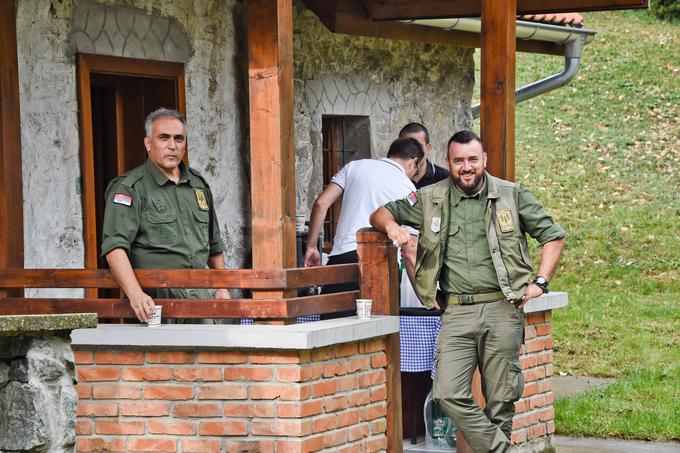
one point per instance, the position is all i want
(162, 228)
(202, 224)
(453, 241)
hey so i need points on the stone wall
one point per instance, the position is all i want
(328, 399)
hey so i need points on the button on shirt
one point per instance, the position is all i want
(162, 225)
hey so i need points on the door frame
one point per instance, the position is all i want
(87, 64)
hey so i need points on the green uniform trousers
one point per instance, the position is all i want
(487, 335)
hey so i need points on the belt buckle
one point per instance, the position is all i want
(466, 299)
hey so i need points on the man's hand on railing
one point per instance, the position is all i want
(142, 304)
(222, 294)
(312, 257)
(398, 234)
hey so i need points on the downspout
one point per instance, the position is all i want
(573, 40)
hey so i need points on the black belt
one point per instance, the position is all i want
(470, 299)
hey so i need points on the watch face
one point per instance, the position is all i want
(541, 281)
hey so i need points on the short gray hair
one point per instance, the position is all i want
(162, 113)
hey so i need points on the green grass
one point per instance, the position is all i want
(603, 155)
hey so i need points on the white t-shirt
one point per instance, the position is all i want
(367, 184)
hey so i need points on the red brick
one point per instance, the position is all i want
(116, 392)
(325, 423)
(530, 388)
(146, 373)
(378, 393)
(360, 398)
(334, 438)
(293, 392)
(277, 357)
(250, 446)
(223, 392)
(201, 446)
(222, 357)
(300, 445)
(197, 374)
(521, 406)
(152, 445)
(92, 444)
(379, 444)
(323, 388)
(238, 373)
(177, 428)
(321, 354)
(549, 342)
(240, 410)
(168, 392)
(549, 370)
(299, 374)
(537, 344)
(347, 349)
(335, 403)
(548, 316)
(191, 410)
(170, 357)
(518, 421)
(549, 398)
(372, 378)
(375, 411)
(358, 364)
(528, 361)
(378, 426)
(519, 436)
(228, 428)
(537, 401)
(546, 414)
(84, 391)
(84, 427)
(334, 369)
(529, 332)
(374, 345)
(534, 374)
(543, 329)
(83, 357)
(535, 318)
(379, 360)
(349, 418)
(536, 430)
(144, 409)
(347, 383)
(358, 432)
(299, 410)
(550, 426)
(530, 418)
(281, 428)
(119, 358)
(544, 357)
(97, 409)
(120, 427)
(545, 385)
(98, 373)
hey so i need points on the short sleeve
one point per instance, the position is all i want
(216, 243)
(407, 213)
(340, 177)
(535, 220)
(121, 217)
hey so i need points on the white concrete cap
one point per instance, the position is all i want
(546, 302)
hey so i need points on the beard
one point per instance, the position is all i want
(472, 187)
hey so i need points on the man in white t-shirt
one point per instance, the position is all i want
(364, 185)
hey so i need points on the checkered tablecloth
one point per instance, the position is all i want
(417, 338)
(300, 319)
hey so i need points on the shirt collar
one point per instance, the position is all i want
(392, 162)
(161, 178)
(457, 194)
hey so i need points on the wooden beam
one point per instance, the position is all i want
(497, 86)
(272, 151)
(432, 9)
(11, 191)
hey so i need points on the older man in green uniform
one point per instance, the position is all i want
(161, 215)
(473, 246)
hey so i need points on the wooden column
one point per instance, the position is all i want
(272, 151)
(11, 193)
(497, 113)
(379, 281)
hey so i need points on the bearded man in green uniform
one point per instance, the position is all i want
(473, 246)
(161, 215)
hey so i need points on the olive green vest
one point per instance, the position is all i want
(504, 233)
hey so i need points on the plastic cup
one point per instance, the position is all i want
(300, 223)
(364, 308)
(155, 318)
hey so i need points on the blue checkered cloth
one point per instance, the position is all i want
(300, 319)
(417, 339)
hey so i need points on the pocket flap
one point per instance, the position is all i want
(453, 229)
(202, 216)
(165, 217)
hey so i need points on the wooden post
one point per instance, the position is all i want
(272, 151)
(11, 192)
(379, 282)
(497, 120)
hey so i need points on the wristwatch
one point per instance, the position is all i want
(542, 283)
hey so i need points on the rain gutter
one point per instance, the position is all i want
(572, 39)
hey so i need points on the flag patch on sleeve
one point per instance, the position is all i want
(412, 199)
(121, 198)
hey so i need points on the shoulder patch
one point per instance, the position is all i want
(121, 198)
(412, 199)
(198, 173)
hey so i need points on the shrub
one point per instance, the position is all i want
(665, 9)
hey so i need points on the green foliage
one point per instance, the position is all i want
(665, 9)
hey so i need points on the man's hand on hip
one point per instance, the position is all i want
(531, 292)
(142, 304)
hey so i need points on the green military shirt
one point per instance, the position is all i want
(160, 224)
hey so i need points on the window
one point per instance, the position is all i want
(345, 138)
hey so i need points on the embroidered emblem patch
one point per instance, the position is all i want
(505, 221)
(412, 199)
(201, 199)
(121, 198)
(436, 224)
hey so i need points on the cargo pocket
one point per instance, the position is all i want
(162, 228)
(202, 220)
(514, 382)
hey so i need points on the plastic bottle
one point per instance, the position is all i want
(439, 429)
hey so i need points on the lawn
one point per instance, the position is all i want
(603, 155)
